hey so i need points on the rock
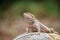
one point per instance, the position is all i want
(37, 36)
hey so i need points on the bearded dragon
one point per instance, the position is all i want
(34, 25)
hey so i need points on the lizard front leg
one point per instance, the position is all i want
(27, 29)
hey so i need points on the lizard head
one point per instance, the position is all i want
(29, 18)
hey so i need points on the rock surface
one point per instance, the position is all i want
(36, 36)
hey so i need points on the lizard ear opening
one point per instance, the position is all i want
(33, 16)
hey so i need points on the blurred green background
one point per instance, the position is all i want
(11, 15)
(47, 8)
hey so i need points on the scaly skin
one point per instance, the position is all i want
(35, 25)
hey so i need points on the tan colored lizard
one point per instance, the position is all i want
(34, 25)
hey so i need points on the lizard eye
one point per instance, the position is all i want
(32, 16)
